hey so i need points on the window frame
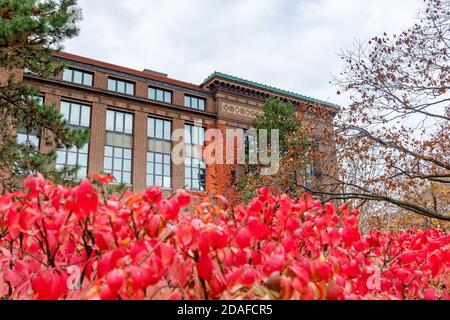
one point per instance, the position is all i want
(84, 151)
(125, 82)
(122, 160)
(165, 123)
(24, 132)
(189, 167)
(153, 163)
(124, 124)
(164, 93)
(82, 106)
(201, 138)
(190, 105)
(189, 161)
(125, 115)
(83, 73)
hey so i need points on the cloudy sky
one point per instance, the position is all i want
(290, 44)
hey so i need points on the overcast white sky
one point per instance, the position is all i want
(290, 44)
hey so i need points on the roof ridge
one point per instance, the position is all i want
(268, 87)
(127, 70)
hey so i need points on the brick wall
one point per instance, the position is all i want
(219, 178)
(139, 151)
(98, 138)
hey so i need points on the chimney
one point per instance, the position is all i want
(155, 73)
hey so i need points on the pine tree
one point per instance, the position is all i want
(31, 31)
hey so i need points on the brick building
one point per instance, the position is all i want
(131, 115)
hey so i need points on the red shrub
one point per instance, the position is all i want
(61, 243)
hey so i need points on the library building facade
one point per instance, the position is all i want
(131, 116)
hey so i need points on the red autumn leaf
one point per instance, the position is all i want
(34, 185)
(102, 178)
(249, 277)
(170, 209)
(115, 280)
(205, 267)
(243, 238)
(49, 285)
(184, 198)
(5, 202)
(258, 229)
(430, 294)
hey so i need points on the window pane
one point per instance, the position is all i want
(65, 110)
(119, 121)
(75, 114)
(187, 135)
(85, 116)
(158, 169)
(188, 172)
(195, 185)
(150, 168)
(168, 97)
(167, 130)
(127, 154)
(118, 153)
(108, 163)
(127, 177)
(129, 123)
(61, 157)
(195, 135)
(159, 129)
(88, 79)
(201, 104)
(67, 76)
(111, 84)
(152, 93)
(150, 181)
(110, 120)
(82, 159)
(167, 170)
(201, 136)
(194, 103)
(151, 128)
(167, 182)
(85, 149)
(158, 181)
(158, 158)
(77, 77)
(40, 100)
(151, 156)
(82, 172)
(118, 176)
(121, 86)
(159, 95)
(71, 158)
(167, 159)
(117, 164)
(130, 88)
(108, 151)
(187, 101)
(127, 165)
(195, 173)
(188, 184)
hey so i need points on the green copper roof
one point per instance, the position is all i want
(273, 89)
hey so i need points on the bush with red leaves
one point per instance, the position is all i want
(80, 243)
